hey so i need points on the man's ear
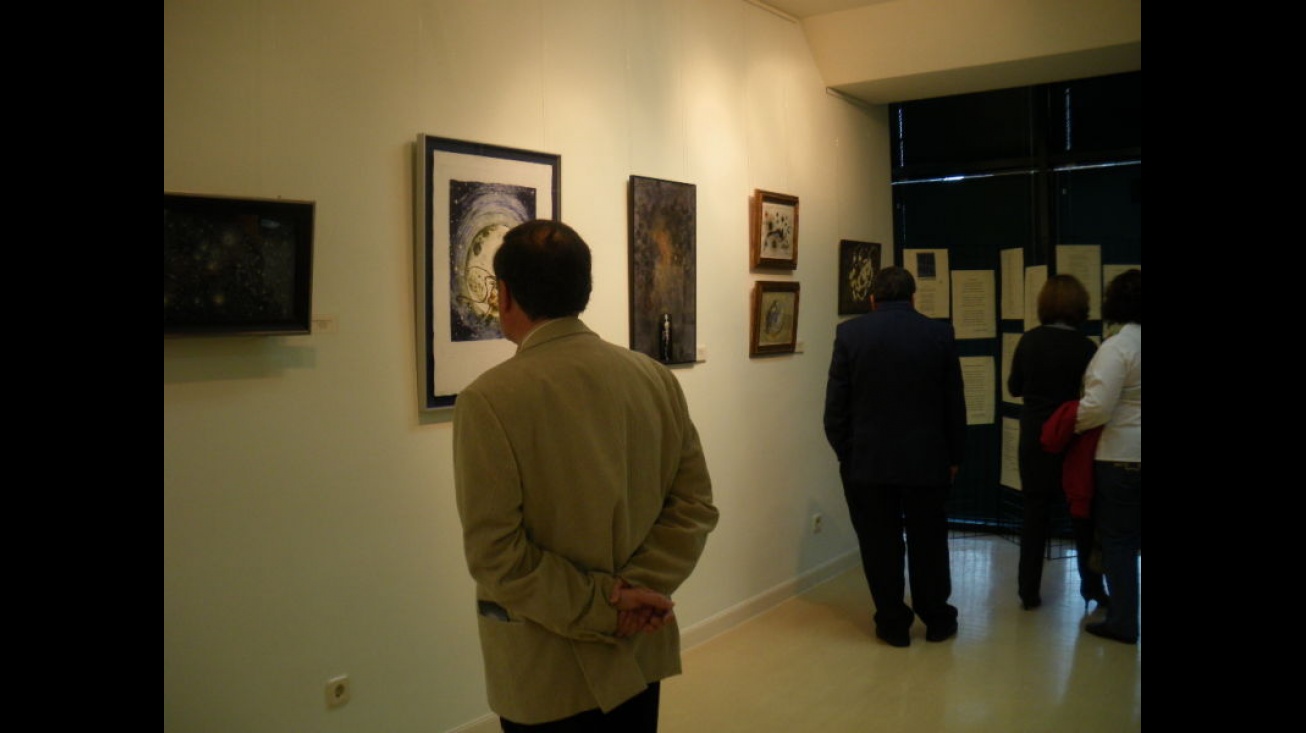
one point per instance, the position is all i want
(505, 295)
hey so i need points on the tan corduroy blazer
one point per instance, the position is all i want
(575, 463)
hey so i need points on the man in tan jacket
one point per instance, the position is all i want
(585, 503)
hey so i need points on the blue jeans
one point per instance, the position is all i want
(1118, 508)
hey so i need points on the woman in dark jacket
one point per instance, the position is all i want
(1046, 371)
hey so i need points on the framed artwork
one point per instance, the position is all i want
(235, 266)
(663, 270)
(858, 264)
(468, 195)
(773, 226)
(775, 318)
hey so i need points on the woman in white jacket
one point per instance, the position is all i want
(1113, 398)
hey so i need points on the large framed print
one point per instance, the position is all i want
(663, 270)
(468, 195)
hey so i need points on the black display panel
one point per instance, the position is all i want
(236, 266)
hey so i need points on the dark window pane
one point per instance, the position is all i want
(974, 219)
(1097, 115)
(1102, 206)
(963, 130)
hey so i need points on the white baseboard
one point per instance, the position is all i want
(710, 627)
(488, 723)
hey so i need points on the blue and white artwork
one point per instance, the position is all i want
(479, 215)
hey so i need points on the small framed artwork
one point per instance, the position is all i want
(468, 195)
(663, 269)
(773, 238)
(774, 319)
(858, 264)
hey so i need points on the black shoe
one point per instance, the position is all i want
(1101, 629)
(1030, 604)
(941, 632)
(894, 638)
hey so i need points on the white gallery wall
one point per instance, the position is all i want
(309, 520)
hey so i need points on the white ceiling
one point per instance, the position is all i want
(884, 51)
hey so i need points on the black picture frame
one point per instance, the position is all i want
(467, 195)
(237, 266)
(859, 263)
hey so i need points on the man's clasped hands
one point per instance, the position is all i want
(639, 609)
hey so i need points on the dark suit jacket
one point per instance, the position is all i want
(895, 411)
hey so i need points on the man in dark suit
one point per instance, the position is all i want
(895, 414)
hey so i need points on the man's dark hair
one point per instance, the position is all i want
(1063, 299)
(893, 283)
(1123, 302)
(547, 268)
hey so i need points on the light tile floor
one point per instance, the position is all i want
(813, 663)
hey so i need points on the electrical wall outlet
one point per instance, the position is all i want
(337, 691)
(818, 523)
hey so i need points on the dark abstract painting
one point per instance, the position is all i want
(663, 270)
(236, 265)
(858, 264)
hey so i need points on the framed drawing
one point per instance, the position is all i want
(775, 318)
(858, 264)
(773, 230)
(468, 195)
(663, 270)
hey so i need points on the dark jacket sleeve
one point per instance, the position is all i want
(1016, 379)
(956, 405)
(838, 418)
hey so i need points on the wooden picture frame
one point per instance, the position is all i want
(468, 195)
(663, 222)
(859, 263)
(773, 230)
(774, 320)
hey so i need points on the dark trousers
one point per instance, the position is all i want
(639, 714)
(880, 514)
(1091, 586)
(1040, 479)
(1117, 504)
